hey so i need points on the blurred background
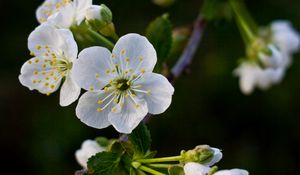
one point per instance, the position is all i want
(259, 132)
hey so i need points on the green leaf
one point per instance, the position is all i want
(176, 170)
(159, 33)
(150, 154)
(103, 163)
(216, 9)
(141, 140)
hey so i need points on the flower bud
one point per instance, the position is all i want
(201, 154)
(100, 18)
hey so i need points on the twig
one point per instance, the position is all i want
(190, 50)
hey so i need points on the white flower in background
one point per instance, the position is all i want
(193, 168)
(63, 13)
(54, 51)
(272, 62)
(252, 75)
(88, 149)
(121, 86)
(286, 38)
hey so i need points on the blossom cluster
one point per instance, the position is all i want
(269, 56)
(121, 87)
(191, 166)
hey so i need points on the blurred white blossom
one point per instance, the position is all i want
(54, 52)
(88, 149)
(121, 86)
(63, 13)
(273, 57)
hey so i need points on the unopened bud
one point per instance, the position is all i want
(100, 18)
(201, 154)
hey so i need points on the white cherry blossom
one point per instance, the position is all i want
(63, 13)
(121, 86)
(54, 51)
(88, 149)
(269, 68)
(252, 75)
(193, 168)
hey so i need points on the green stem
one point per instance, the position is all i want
(163, 159)
(245, 28)
(115, 37)
(160, 165)
(139, 172)
(101, 39)
(149, 170)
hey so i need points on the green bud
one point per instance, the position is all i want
(201, 154)
(100, 19)
(212, 170)
(102, 141)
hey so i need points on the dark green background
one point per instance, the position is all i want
(260, 132)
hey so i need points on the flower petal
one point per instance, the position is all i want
(285, 36)
(127, 117)
(37, 74)
(45, 10)
(69, 45)
(88, 110)
(247, 73)
(81, 7)
(159, 90)
(88, 149)
(90, 70)
(137, 50)
(69, 92)
(193, 168)
(217, 157)
(64, 18)
(232, 172)
(44, 35)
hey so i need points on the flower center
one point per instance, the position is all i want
(122, 84)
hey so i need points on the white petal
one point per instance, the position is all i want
(88, 149)
(89, 70)
(139, 51)
(37, 74)
(81, 7)
(217, 157)
(87, 110)
(44, 35)
(232, 172)
(69, 92)
(160, 92)
(195, 169)
(94, 12)
(248, 75)
(69, 45)
(64, 18)
(285, 36)
(268, 77)
(45, 10)
(128, 117)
